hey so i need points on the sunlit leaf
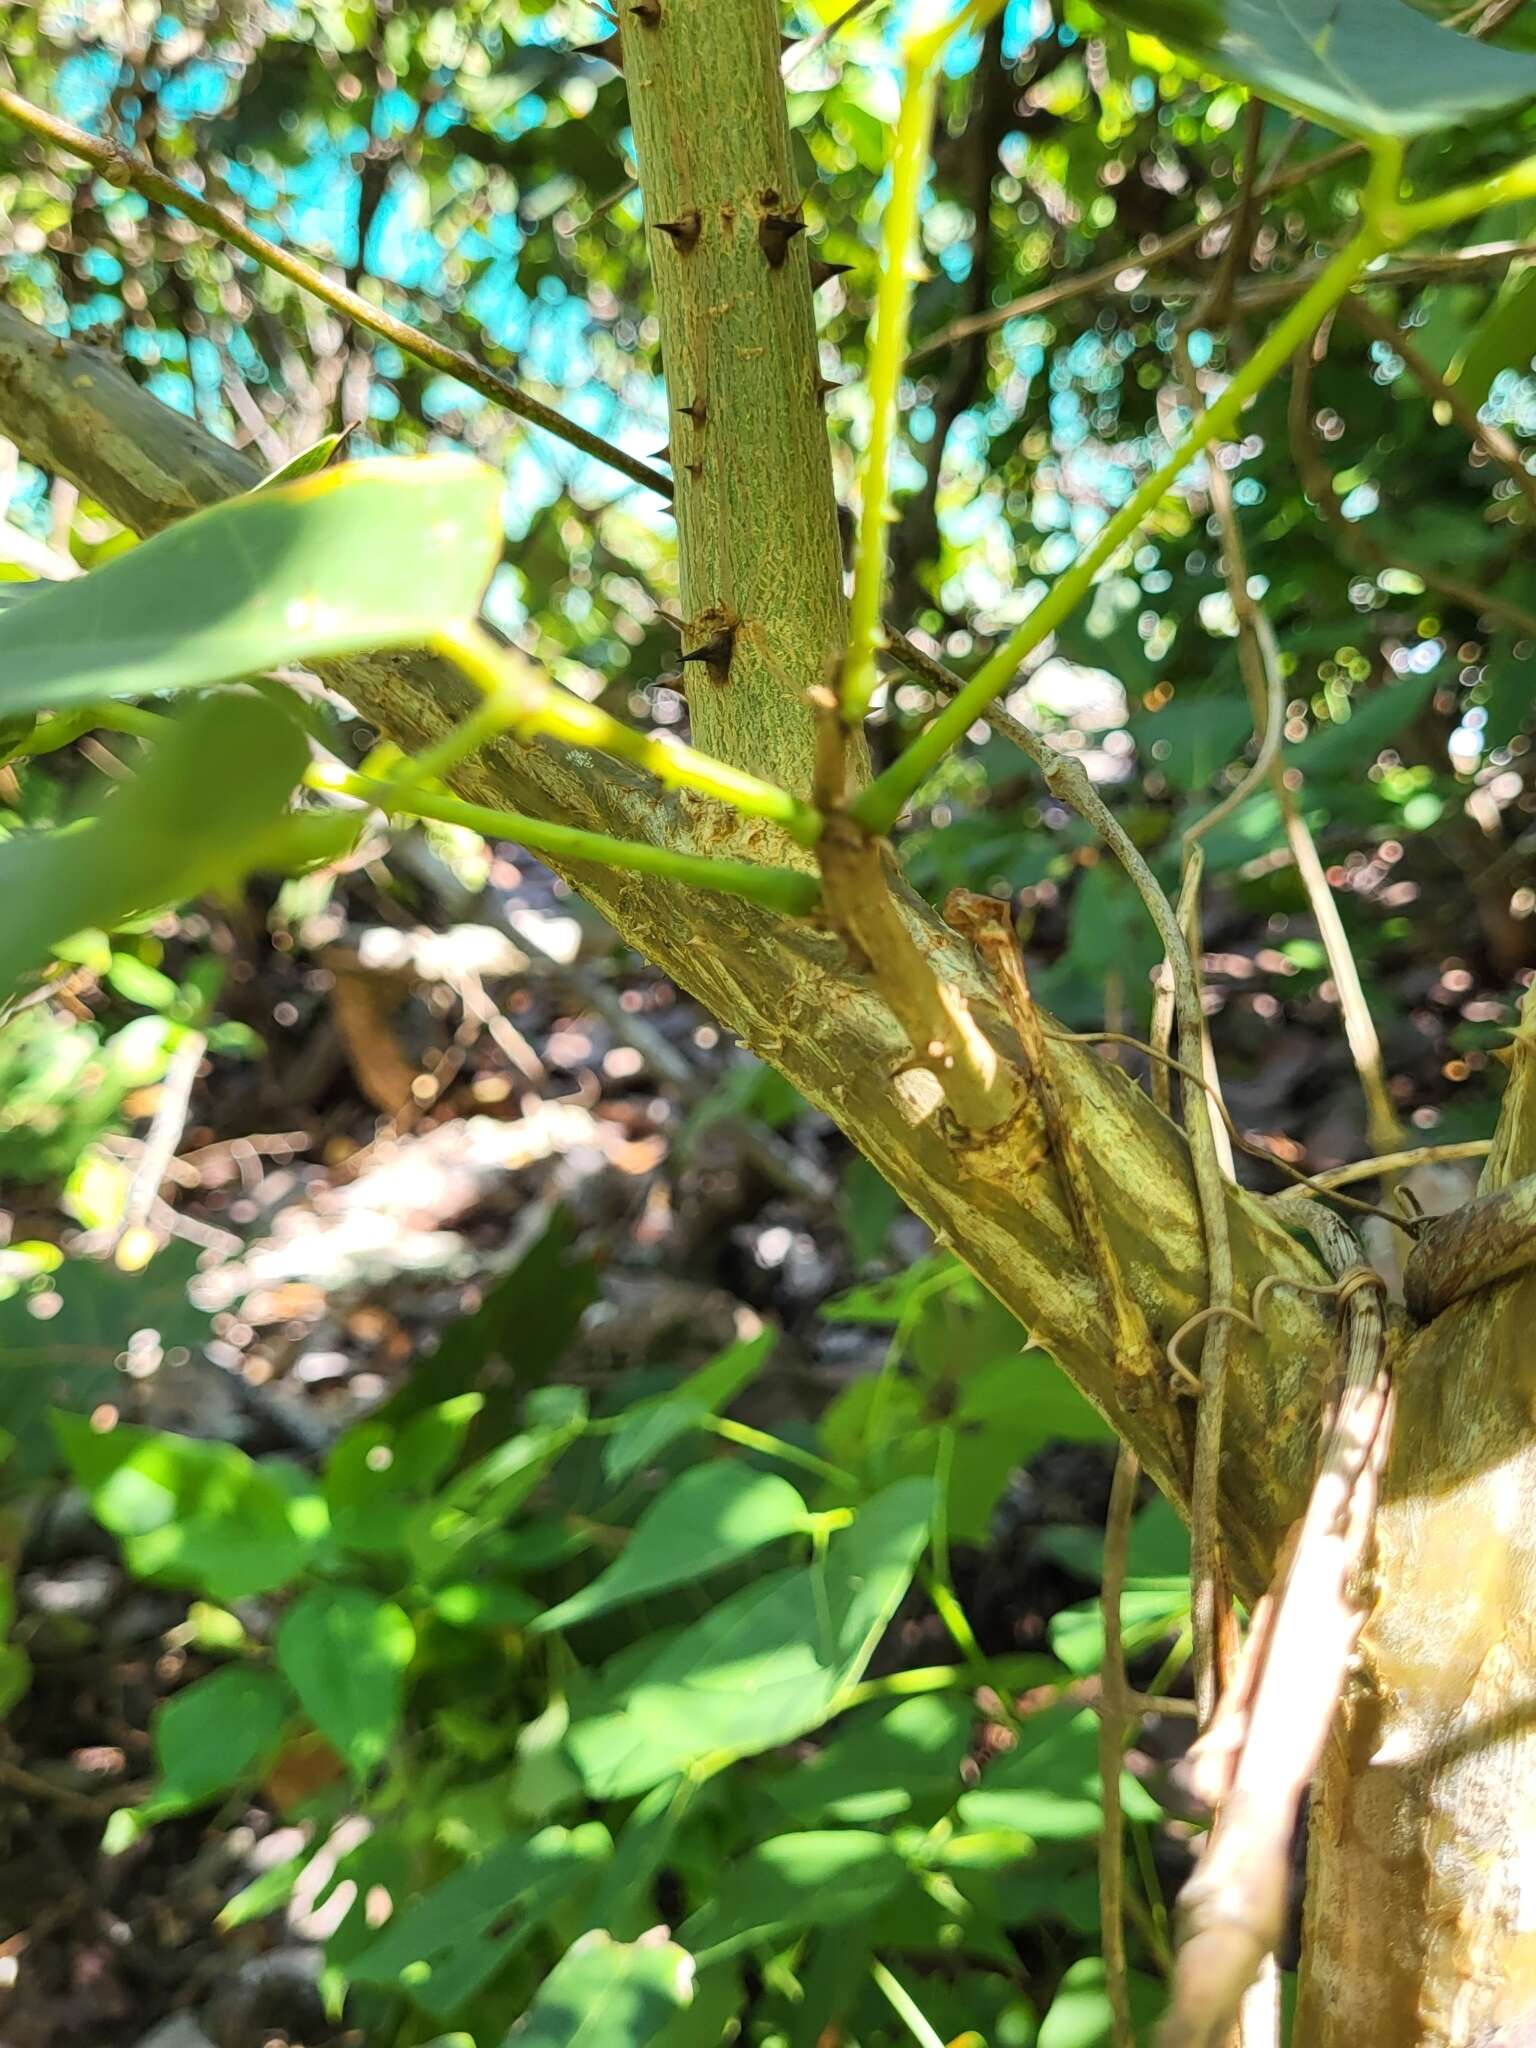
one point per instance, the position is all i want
(607, 1994)
(344, 1651)
(370, 555)
(711, 1516)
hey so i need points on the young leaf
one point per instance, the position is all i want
(453, 1939)
(376, 1473)
(607, 1994)
(190, 1513)
(710, 1517)
(214, 1735)
(790, 1882)
(1364, 67)
(344, 1651)
(767, 1665)
(370, 555)
(196, 816)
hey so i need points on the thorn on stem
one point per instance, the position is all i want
(647, 12)
(715, 653)
(683, 232)
(775, 232)
(696, 410)
(823, 272)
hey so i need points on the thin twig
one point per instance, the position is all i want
(1383, 1167)
(163, 1137)
(126, 170)
(1140, 262)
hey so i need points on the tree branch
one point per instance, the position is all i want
(121, 167)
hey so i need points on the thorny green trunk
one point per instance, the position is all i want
(758, 551)
(1422, 1915)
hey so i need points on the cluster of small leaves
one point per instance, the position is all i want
(601, 1682)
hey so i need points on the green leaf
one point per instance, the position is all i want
(190, 1513)
(767, 1665)
(344, 1651)
(195, 817)
(370, 555)
(822, 1878)
(70, 1359)
(883, 1762)
(443, 1534)
(216, 1734)
(1364, 67)
(453, 1939)
(376, 1473)
(710, 1517)
(650, 1426)
(1048, 1786)
(1080, 2015)
(1505, 339)
(315, 457)
(607, 1994)
(1147, 1614)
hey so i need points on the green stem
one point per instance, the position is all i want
(879, 806)
(922, 52)
(780, 889)
(1425, 216)
(121, 167)
(906, 2007)
(525, 704)
(775, 1447)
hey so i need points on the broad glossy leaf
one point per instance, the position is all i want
(196, 816)
(370, 555)
(190, 1513)
(607, 1994)
(710, 1517)
(767, 1665)
(449, 1942)
(344, 1651)
(1365, 67)
(820, 1878)
(216, 1734)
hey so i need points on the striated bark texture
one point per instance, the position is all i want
(1421, 1896)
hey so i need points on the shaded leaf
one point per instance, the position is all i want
(766, 1665)
(216, 1734)
(1048, 1786)
(199, 814)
